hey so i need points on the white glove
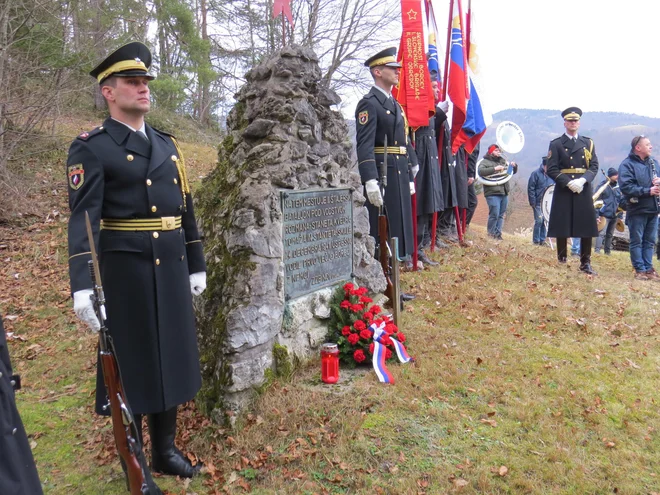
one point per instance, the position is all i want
(415, 170)
(373, 192)
(82, 306)
(576, 185)
(444, 106)
(197, 283)
(412, 188)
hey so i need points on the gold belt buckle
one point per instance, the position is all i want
(403, 150)
(167, 223)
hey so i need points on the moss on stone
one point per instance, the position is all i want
(282, 362)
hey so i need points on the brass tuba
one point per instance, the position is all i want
(510, 138)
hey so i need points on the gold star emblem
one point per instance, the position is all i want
(412, 15)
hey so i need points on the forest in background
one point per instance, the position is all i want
(201, 51)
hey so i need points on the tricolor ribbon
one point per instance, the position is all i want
(379, 334)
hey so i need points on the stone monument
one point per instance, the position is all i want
(283, 222)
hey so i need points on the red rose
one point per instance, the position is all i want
(365, 334)
(359, 325)
(354, 292)
(346, 331)
(368, 316)
(353, 338)
(375, 309)
(359, 356)
(349, 286)
(388, 354)
(391, 328)
(357, 307)
(401, 337)
(362, 291)
(345, 305)
(366, 300)
(385, 340)
(371, 348)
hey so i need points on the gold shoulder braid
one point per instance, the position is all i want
(183, 178)
(406, 127)
(588, 152)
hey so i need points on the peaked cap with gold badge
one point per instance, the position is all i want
(385, 57)
(572, 113)
(131, 60)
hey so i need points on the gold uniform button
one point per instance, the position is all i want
(153, 208)
(156, 234)
(157, 261)
(129, 158)
(181, 258)
(176, 181)
(395, 142)
(174, 158)
(148, 182)
(101, 128)
(388, 112)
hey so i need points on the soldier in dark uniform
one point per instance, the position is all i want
(131, 179)
(18, 474)
(573, 165)
(445, 228)
(378, 115)
(428, 182)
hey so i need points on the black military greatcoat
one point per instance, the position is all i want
(18, 474)
(114, 173)
(376, 117)
(572, 215)
(428, 183)
(447, 170)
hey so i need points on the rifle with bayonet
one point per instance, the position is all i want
(388, 248)
(127, 439)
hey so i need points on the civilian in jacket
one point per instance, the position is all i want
(536, 185)
(639, 180)
(497, 197)
(611, 197)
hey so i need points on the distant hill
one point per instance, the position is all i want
(611, 132)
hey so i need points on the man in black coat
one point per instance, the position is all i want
(131, 180)
(379, 115)
(18, 474)
(471, 192)
(573, 165)
(445, 229)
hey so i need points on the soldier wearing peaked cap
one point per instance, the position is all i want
(131, 179)
(573, 165)
(379, 115)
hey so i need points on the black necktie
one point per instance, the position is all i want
(143, 136)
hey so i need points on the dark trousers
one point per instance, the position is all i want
(423, 231)
(472, 203)
(445, 225)
(585, 249)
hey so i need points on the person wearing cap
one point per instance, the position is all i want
(497, 197)
(639, 181)
(536, 185)
(18, 473)
(611, 197)
(573, 165)
(378, 116)
(131, 180)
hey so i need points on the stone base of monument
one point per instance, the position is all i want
(284, 223)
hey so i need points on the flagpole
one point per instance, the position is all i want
(468, 29)
(448, 46)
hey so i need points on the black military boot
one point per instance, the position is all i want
(165, 457)
(421, 256)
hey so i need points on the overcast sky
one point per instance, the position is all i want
(597, 55)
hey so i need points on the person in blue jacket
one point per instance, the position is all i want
(536, 185)
(611, 198)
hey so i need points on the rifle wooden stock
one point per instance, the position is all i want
(121, 431)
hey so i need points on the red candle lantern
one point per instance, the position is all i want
(329, 363)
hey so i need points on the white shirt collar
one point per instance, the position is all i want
(143, 128)
(383, 91)
(571, 137)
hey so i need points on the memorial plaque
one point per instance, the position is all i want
(318, 239)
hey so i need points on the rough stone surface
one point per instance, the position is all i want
(283, 133)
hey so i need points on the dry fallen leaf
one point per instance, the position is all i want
(460, 483)
(503, 470)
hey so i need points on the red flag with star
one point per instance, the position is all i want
(283, 7)
(414, 89)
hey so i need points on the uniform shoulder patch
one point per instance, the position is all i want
(164, 133)
(76, 174)
(86, 135)
(363, 117)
